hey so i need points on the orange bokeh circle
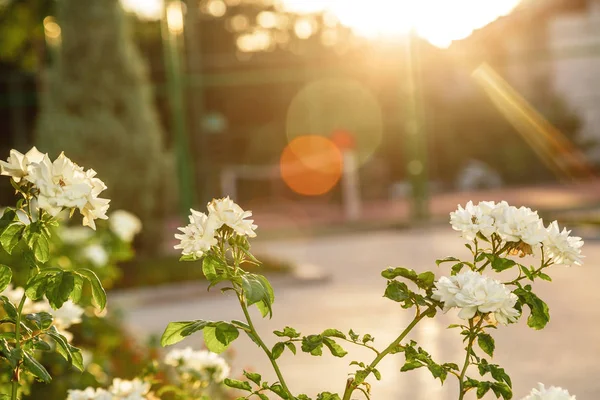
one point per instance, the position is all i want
(311, 165)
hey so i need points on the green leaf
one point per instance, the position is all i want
(544, 276)
(486, 343)
(40, 321)
(257, 290)
(218, 336)
(540, 314)
(254, 377)
(279, 391)
(70, 353)
(392, 273)
(11, 236)
(59, 288)
(333, 333)
(410, 365)
(241, 385)
(287, 332)
(5, 277)
(425, 280)
(527, 273)
(456, 268)
(446, 259)
(291, 346)
(502, 389)
(335, 348)
(328, 396)
(174, 332)
(40, 246)
(35, 368)
(483, 388)
(500, 264)
(277, 350)
(313, 344)
(98, 292)
(212, 267)
(9, 308)
(397, 291)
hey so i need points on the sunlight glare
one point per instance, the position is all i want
(145, 9)
(438, 21)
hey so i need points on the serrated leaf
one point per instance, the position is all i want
(5, 277)
(291, 346)
(410, 365)
(219, 335)
(35, 368)
(98, 292)
(11, 235)
(336, 349)
(279, 391)
(486, 343)
(397, 291)
(277, 350)
(425, 280)
(313, 344)
(241, 385)
(175, 332)
(287, 332)
(500, 264)
(446, 259)
(254, 377)
(392, 273)
(333, 333)
(59, 288)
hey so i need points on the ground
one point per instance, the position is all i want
(564, 354)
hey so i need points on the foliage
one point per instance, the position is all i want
(100, 109)
(495, 234)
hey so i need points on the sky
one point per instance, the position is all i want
(438, 21)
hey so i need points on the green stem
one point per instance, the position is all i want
(264, 347)
(473, 335)
(15, 382)
(351, 386)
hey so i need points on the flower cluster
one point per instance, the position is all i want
(552, 393)
(200, 235)
(125, 225)
(210, 367)
(520, 227)
(120, 390)
(61, 184)
(472, 292)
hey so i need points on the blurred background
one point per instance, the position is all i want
(324, 117)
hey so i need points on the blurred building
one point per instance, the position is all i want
(574, 44)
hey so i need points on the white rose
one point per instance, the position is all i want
(125, 225)
(552, 393)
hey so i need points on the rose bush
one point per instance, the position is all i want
(53, 293)
(498, 236)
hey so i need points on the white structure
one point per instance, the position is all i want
(574, 46)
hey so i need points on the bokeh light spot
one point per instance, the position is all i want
(311, 165)
(339, 104)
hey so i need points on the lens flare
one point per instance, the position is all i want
(311, 165)
(333, 105)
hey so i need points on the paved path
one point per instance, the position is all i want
(565, 353)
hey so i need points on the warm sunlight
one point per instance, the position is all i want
(438, 21)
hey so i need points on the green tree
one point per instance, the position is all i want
(98, 108)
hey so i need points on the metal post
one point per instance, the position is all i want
(172, 27)
(195, 92)
(415, 133)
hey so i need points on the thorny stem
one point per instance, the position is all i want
(262, 344)
(15, 382)
(351, 386)
(472, 335)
